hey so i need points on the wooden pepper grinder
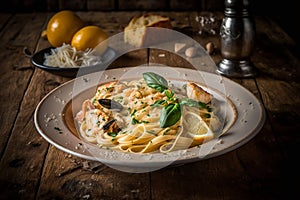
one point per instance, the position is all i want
(237, 40)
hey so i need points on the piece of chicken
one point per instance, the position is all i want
(195, 92)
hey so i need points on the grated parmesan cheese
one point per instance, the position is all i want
(67, 56)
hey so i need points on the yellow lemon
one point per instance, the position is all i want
(90, 37)
(197, 128)
(62, 26)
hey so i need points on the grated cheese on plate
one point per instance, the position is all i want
(67, 56)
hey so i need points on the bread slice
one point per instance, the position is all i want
(138, 34)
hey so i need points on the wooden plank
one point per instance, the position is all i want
(282, 102)
(21, 167)
(279, 88)
(131, 59)
(81, 182)
(24, 153)
(15, 73)
(263, 171)
(276, 54)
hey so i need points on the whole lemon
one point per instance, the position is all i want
(62, 26)
(90, 37)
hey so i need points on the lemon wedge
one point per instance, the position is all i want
(197, 128)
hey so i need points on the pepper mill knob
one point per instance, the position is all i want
(237, 34)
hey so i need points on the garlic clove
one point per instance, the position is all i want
(191, 52)
(210, 48)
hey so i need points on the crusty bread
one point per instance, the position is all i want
(138, 34)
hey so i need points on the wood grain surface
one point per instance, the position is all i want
(264, 168)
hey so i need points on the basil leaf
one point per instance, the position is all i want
(193, 103)
(169, 94)
(170, 114)
(155, 81)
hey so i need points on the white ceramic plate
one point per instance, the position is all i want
(54, 118)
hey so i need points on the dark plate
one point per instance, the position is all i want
(38, 60)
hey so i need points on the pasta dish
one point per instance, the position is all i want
(148, 115)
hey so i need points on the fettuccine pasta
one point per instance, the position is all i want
(141, 117)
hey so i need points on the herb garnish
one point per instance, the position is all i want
(155, 81)
(193, 103)
(171, 111)
(170, 114)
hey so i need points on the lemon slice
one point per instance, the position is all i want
(197, 128)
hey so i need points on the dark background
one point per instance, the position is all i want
(285, 13)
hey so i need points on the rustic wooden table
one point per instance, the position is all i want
(264, 168)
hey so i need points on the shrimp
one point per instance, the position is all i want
(87, 105)
(195, 92)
